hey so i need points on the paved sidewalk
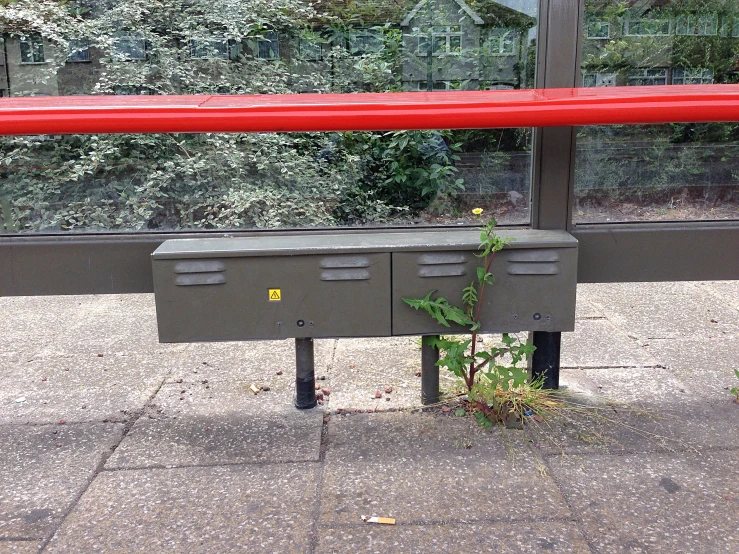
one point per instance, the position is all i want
(111, 442)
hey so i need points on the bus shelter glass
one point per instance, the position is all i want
(681, 171)
(95, 183)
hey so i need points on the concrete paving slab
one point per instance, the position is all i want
(28, 323)
(655, 503)
(39, 403)
(107, 324)
(223, 424)
(599, 343)
(519, 538)
(89, 369)
(44, 469)
(639, 386)
(706, 366)
(262, 508)
(8, 358)
(414, 435)
(585, 309)
(20, 547)
(240, 361)
(361, 367)
(589, 297)
(668, 310)
(431, 469)
(728, 291)
(690, 425)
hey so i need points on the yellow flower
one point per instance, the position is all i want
(477, 211)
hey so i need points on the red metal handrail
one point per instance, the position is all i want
(368, 112)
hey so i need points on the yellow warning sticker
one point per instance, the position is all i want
(275, 295)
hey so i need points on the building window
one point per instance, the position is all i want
(597, 29)
(647, 24)
(268, 46)
(439, 85)
(598, 79)
(441, 39)
(130, 90)
(32, 49)
(641, 77)
(502, 41)
(310, 50)
(692, 76)
(129, 47)
(498, 86)
(209, 48)
(79, 50)
(364, 43)
(697, 25)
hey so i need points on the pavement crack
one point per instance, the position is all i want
(639, 366)
(574, 517)
(161, 467)
(134, 416)
(317, 502)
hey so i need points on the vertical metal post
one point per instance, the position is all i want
(429, 371)
(545, 360)
(305, 375)
(558, 66)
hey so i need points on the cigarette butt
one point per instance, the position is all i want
(385, 520)
(254, 388)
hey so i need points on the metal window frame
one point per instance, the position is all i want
(271, 41)
(594, 21)
(35, 45)
(684, 22)
(497, 35)
(78, 50)
(197, 44)
(357, 36)
(431, 35)
(639, 76)
(611, 75)
(613, 252)
(124, 45)
(683, 76)
(310, 50)
(637, 18)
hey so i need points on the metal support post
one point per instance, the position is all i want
(545, 360)
(305, 375)
(429, 371)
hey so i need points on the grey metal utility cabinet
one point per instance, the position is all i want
(353, 285)
(533, 290)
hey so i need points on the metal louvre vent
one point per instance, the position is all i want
(533, 262)
(442, 264)
(199, 272)
(345, 268)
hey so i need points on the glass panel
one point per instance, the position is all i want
(365, 41)
(79, 50)
(268, 47)
(658, 172)
(310, 50)
(209, 48)
(129, 47)
(32, 49)
(55, 184)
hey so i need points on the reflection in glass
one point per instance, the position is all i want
(658, 172)
(79, 50)
(216, 181)
(32, 49)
